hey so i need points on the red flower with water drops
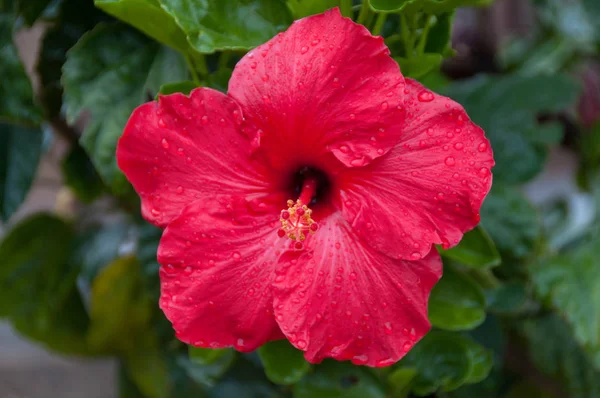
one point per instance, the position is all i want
(304, 203)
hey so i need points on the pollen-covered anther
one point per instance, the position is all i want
(296, 222)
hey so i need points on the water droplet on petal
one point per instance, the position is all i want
(407, 346)
(236, 256)
(384, 105)
(352, 116)
(458, 146)
(265, 78)
(415, 256)
(301, 344)
(484, 172)
(344, 149)
(450, 161)
(360, 359)
(162, 123)
(165, 143)
(303, 50)
(425, 96)
(204, 119)
(482, 147)
(388, 328)
(180, 189)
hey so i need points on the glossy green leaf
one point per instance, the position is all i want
(400, 381)
(228, 24)
(18, 104)
(476, 250)
(119, 310)
(207, 366)
(181, 87)
(246, 379)
(445, 361)
(427, 6)
(111, 71)
(511, 220)
(506, 108)
(334, 379)
(304, 8)
(147, 367)
(283, 363)
(419, 65)
(456, 302)
(97, 247)
(20, 151)
(38, 291)
(554, 352)
(75, 18)
(507, 299)
(81, 176)
(570, 284)
(150, 18)
(207, 356)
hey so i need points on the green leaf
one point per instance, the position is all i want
(400, 382)
(427, 6)
(127, 388)
(119, 310)
(81, 176)
(150, 18)
(96, 248)
(147, 367)
(476, 250)
(206, 356)
(215, 25)
(20, 151)
(510, 220)
(111, 71)
(419, 65)
(181, 87)
(506, 108)
(38, 291)
(206, 366)
(334, 379)
(456, 302)
(554, 352)
(18, 104)
(246, 379)
(75, 18)
(507, 299)
(569, 282)
(445, 361)
(304, 8)
(283, 363)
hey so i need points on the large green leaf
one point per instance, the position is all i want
(419, 65)
(511, 220)
(456, 302)
(304, 8)
(570, 283)
(110, 71)
(81, 176)
(445, 361)
(554, 352)
(506, 108)
(339, 380)
(428, 6)
(38, 292)
(476, 250)
(283, 363)
(246, 379)
(150, 18)
(75, 17)
(119, 309)
(20, 151)
(206, 366)
(213, 25)
(17, 103)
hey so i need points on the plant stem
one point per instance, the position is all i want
(423, 39)
(486, 278)
(346, 8)
(364, 12)
(408, 44)
(192, 70)
(379, 22)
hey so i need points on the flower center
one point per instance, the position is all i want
(296, 220)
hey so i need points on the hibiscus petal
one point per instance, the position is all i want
(342, 299)
(218, 260)
(181, 148)
(324, 85)
(428, 188)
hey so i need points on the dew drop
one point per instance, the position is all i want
(165, 143)
(236, 256)
(352, 116)
(425, 96)
(180, 189)
(204, 119)
(384, 105)
(484, 172)
(415, 256)
(430, 132)
(388, 328)
(344, 149)
(315, 42)
(265, 78)
(482, 147)
(162, 123)
(360, 359)
(458, 146)
(450, 161)
(155, 212)
(304, 50)
(301, 344)
(406, 347)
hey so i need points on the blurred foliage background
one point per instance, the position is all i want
(517, 312)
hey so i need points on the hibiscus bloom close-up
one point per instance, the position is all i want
(306, 202)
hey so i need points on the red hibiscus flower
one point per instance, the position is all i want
(378, 169)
